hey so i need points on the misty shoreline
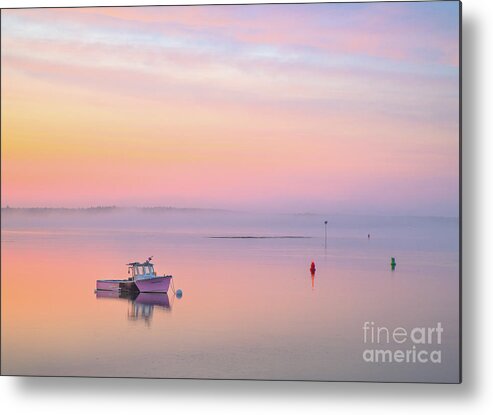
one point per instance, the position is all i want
(173, 209)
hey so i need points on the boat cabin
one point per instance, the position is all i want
(140, 270)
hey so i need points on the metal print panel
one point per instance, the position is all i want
(261, 191)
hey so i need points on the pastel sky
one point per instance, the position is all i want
(291, 108)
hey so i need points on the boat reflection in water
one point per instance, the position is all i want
(141, 305)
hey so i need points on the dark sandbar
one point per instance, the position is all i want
(259, 237)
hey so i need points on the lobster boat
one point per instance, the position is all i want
(143, 279)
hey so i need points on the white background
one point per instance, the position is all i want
(475, 395)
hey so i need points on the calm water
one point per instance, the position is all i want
(250, 307)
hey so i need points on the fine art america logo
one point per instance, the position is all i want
(400, 345)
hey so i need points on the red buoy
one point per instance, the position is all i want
(312, 267)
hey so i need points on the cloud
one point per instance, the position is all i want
(413, 32)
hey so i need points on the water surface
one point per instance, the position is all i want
(250, 306)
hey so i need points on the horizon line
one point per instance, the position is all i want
(114, 207)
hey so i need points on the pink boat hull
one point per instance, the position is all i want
(154, 285)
